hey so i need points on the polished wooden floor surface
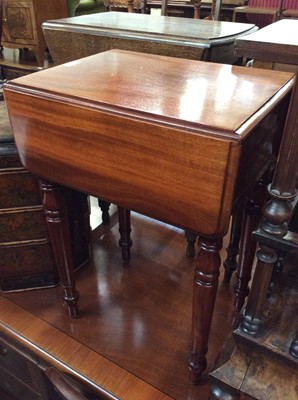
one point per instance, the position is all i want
(138, 315)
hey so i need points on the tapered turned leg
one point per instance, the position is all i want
(230, 263)
(125, 241)
(104, 206)
(55, 211)
(204, 294)
(251, 219)
(191, 239)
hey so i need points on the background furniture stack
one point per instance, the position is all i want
(265, 360)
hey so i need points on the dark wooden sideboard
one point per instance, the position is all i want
(72, 38)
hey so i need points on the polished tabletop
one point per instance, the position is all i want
(198, 110)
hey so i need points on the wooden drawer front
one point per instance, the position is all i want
(19, 189)
(26, 259)
(22, 225)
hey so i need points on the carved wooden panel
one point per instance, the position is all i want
(19, 22)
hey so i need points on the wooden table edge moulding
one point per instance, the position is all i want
(182, 150)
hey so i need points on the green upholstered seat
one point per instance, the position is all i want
(82, 7)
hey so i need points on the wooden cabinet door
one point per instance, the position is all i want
(19, 26)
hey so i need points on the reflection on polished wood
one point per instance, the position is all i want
(132, 335)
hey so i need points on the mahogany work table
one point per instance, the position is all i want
(176, 140)
(272, 47)
(72, 38)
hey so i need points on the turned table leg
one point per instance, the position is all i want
(57, 223)
(204, 294)
(251, 219)
(125, 241)
(191, 239)
(230, 263)
(104, 206)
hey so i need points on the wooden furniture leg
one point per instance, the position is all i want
(197, 7)
(125, 241)
(55, 211)
(204, 294)
(230, 263)
(191, 239)
(164, 7)
(251, 219)
(104, 206)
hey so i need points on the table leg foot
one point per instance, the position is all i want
(197, 363)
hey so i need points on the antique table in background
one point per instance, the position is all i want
(72, 38)
(181, 150)
(272, 47)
